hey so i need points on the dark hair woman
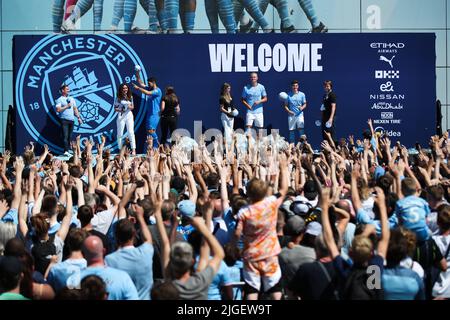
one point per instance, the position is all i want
(170, 109)
(124, 107)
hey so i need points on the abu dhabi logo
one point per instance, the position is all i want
(92, 66)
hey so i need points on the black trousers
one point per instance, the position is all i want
(168, 126)
(330, 130)
(67, 128)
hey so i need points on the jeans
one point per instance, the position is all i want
(67, 127)
(127, 120)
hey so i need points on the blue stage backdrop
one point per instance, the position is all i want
(389, 78)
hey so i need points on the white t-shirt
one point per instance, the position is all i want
(102, 220)
(123, 105)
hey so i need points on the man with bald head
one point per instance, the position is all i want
(118, 283)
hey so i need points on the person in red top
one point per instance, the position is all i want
(257, 223)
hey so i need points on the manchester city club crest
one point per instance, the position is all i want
(92, 66)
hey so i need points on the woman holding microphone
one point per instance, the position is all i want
(124, 107)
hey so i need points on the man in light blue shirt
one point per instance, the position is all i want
(253, 97)
(135, 261)
(294, 106)
(118, 283)
(60, 272)
(66, 109)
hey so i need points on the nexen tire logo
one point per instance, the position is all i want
(92, 66)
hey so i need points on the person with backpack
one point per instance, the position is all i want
(358, 283)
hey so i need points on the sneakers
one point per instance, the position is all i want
(290, 29)
(246, 27)
(321, 28)
(68, 26)
(67, 154)
(137, 30)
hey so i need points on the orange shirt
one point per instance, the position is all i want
(259, 229)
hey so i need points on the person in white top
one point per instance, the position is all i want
(124, 107)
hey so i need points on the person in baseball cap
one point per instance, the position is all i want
(314, 228)
(301, 206)
(187, 211)
(187, 208)
(295, 226)
(295, 253)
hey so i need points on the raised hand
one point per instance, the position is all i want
(18, 164)
(356, 171)
(380, 197)
(101, 188)
(70, 184)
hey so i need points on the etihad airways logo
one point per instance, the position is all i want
(247, 57)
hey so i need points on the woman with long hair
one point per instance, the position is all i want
(124, 107)
(170, 109)
(228, 111)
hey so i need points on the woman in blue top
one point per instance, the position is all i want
(400, 283)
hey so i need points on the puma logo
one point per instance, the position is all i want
(383, 58)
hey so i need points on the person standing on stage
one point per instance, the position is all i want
(227, 110)
(253, 97)
(294, 106)
(170, 109)
(154, 95)
(328, 109)
(124, 107)
(67, 111)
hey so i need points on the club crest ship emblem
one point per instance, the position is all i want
(92, 66)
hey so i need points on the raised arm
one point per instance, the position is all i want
(126, 198)
(31, 183)
(191, 184)
(284, 175)
(91, 177)
(354, 185)
(327, 231)
(5, 179)
(217, 251)
(204, 250)
(23, 217)
(223, 187)
(385, 232)
(43, 155)
(343, 221)
(165, 248)
(111, 195)
(18, 167)
(198, 177)
(144, 91)
(65, 224)
(138, 78)
(147, 237)
(79, 186)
